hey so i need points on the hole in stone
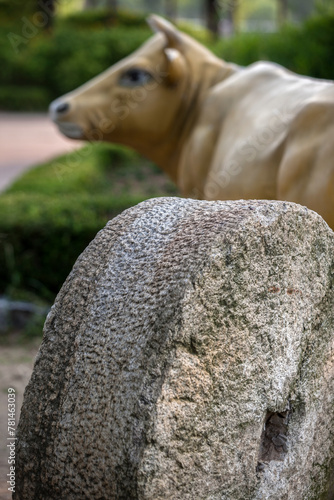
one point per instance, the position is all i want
(274, 438)
(193, 347)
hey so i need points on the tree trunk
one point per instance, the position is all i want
(171, 9)
(220, 16)
(282, 12)
(47, 7)
(112, 5)
(91, 4)
(151, 5)
(112, 12)
(212, 16)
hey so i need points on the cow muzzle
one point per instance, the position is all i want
(58, 111)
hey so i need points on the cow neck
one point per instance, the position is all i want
(169, 153)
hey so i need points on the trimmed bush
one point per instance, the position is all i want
(50, 215)
(11, 10)
(102, 18)
(60, 63)
(306, 49)
(85, 44)
(15, 98)
(42, 237)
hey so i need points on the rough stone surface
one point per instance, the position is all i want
(189, 355)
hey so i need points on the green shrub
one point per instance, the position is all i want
(242, 49)
(15, 98)
(12, 10)
(60, 63)
(317, 40)
(247, 48)
(43, 236)
(85, 44)
(305, 49)
(102, 18)
(50, 214)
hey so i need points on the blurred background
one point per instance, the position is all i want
(51, 212)
(49, 47)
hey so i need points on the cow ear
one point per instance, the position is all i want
(176, 66)
(160, 25)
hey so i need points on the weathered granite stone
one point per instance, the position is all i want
(189, 355)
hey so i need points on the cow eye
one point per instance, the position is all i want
(135, 76)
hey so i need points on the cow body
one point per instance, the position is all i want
(220, 131)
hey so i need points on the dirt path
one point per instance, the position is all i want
(27, 139)
(16, 363)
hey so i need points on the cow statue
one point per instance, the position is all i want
(220, 131)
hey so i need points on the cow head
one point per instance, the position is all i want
(147, 101)
(135, 100)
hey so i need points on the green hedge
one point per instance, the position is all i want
(307, 49)
(42, 237)
(102, 18)
(16, 98)
(49, 215)
(55, 65)
(81, 46)
(38, 66)
(12, 10)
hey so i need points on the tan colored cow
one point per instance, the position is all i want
(220, 131)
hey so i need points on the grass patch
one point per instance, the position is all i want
(48, 216)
